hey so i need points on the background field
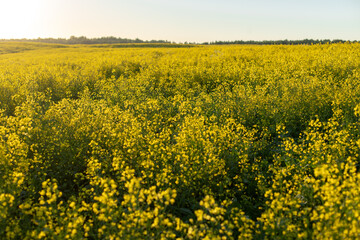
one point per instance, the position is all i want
(179, 141)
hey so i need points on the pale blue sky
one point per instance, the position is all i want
(182, 20)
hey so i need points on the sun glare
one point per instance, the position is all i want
(20, 18)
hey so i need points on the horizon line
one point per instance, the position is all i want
(138, 40)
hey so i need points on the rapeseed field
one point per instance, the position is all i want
(197, 142)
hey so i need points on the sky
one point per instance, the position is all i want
(182, 20)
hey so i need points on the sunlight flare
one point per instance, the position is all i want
(20, 18)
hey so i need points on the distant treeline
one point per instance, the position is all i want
(278, 42)
(85, 40)
(115, 40)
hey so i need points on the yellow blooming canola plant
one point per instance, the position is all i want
(197, 142)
